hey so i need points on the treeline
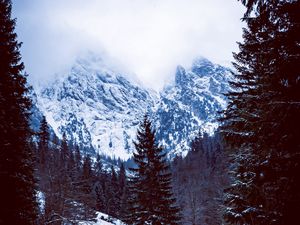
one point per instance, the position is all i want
(151, 199)
(199, 180)
(73, 186)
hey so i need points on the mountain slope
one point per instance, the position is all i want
(191, 104)
(97, 106)
(94, 104)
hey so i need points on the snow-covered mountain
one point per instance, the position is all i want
(96, 105)
(191, 104)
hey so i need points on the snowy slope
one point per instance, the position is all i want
(103, 219)
(96, 105)
(191, 104)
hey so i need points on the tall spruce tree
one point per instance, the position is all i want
(151, 197)
(99, 177)
(113, 194)
(123, 193)
(85, 190)
(43, 143)
(64, 152)
(261, 124)
(78, 159)
(17, 189)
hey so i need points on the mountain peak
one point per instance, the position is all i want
(95, 104)
(202, 67)
(180, 75)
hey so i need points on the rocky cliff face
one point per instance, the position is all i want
(191, 104)
(95, 105)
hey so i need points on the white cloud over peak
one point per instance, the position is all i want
(147, 37)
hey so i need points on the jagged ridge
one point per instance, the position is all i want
(96, 105)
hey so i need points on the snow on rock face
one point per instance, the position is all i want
(191, 104)
(98, 106)
(95, 105)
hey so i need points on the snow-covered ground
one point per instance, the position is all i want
(103, 219)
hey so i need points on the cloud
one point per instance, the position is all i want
(147, 37)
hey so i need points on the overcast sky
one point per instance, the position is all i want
(146, 37)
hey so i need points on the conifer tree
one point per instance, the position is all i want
(50, 185)
(98, 167)
(99, 179)
(122, 177)
(85, 191)
(99, 197)
(78, 159)
(18, 187)
(199, 179)
(123, 193)
(113, 194)
(64, 183)
(43, 165)
(64, 152)
(262, 120)
(43, 142)
(151, 197)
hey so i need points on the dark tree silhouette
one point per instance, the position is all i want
(17, 190)
(43, 143)
(151, 197)
(199, 179)
(261, 124)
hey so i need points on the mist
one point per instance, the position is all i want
(147, 38)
